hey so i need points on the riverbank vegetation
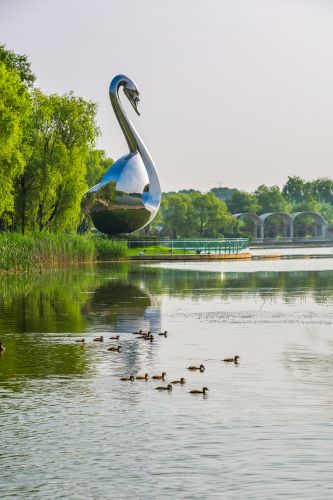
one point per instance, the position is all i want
(35, 251)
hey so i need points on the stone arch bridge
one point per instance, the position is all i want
(288, 222)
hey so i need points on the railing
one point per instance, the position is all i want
(289, 239)
(198, 247)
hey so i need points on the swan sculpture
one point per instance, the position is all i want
(128, 196)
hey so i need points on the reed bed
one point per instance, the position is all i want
(34, 251)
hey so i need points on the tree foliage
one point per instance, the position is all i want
(50, 189)
(15, 113)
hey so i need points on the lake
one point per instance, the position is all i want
(71, 429)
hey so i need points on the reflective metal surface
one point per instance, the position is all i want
(128, 196)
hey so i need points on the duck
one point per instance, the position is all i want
(142, 377)
(80, 340)
(164, 388)
(232, 360)
(201, 368)
(164, 334)
(127, 379)
(2, 347)
(151, 338)
(114, 338)
(99, 339)
(180, 381)
(159, 377)
(140, 332)
(115, 349)
(197, 391)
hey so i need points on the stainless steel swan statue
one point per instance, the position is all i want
(128, 196)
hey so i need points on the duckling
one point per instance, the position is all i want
(180, 381)
(142, 377)
(2, 347)
(80, 340)
(201, 368)
(232, 360)
(164, 388)
(99, 339)
(115, 349)
(197, 391)
(159, 377)
(164, 334)
(114, 338)
(127, 379)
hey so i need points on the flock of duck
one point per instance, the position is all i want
(148, 336)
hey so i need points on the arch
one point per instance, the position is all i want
(258, 226)
(320, 224)
(317, 217)
(287, 220)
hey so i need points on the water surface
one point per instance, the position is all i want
(71, 429)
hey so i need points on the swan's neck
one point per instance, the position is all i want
(131, 135)
(135, 143)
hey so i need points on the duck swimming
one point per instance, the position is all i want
(197, 391)
(232, 360)
(127, 379)
(159, 377)
(201, 368)
(114, 338)
(142, 377)
(164, 334)
(2, 347)
(99, 339)
(180, 381)
(164, 388)
(80, 340)
(115, 349)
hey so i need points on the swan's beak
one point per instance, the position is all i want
(134, 103)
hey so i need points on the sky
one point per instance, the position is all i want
(233, 92)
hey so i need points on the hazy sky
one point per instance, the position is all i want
(233, 92)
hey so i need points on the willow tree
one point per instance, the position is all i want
(63, 132)
(15, 112)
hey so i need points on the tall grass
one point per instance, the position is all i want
(34, 251)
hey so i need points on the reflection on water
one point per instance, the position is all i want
(71, 429)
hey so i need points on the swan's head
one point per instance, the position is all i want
(132, 94)
(130, 90)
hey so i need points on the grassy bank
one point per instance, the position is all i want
(34, 251)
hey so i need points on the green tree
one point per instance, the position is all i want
(242, 202)
(223, 193)
(211, 216)
(175, 212)
(15, 112)
(295, 190)
(18, 63)
(270, 199)
(322, 190)
(50, 189)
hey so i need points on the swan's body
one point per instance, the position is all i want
(128, 196)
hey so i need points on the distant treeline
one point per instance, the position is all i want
(189, 213)
(48, 159)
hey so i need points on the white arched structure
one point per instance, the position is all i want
(320, 224)
(259, 221)
(288, 222)
(258, 226)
